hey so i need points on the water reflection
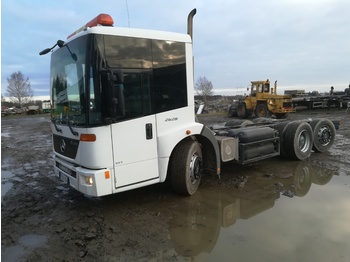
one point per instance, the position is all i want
(196, 224)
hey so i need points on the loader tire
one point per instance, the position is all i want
(324, 134)
(298, 140)
(186, 167)
(242, 111)
(261, 110)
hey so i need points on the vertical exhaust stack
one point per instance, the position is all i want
(190, 22)
(275, 87)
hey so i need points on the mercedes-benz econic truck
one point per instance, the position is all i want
(123, 114)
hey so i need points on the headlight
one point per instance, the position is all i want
(89, 180)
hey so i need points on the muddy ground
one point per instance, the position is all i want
(44, 220)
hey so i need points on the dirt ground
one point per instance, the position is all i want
(42, 219)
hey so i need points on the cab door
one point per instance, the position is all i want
(253, 99)
(134, 137)
(135, 151)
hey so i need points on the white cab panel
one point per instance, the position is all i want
(135, 154)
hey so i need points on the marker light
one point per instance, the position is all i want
(107, 175)
(101, 19)
(88, 137)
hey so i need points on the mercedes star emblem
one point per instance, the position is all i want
(63, 146)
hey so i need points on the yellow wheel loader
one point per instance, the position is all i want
(264, 101)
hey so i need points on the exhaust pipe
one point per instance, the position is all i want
(190, 22)
(275, 86)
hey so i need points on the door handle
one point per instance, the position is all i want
(149, 131)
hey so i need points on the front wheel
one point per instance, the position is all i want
(186, 167)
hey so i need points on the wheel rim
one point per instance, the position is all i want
(195, 168)
(324, 136)
(304, 141)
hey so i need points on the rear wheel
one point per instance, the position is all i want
(232, 111)
(242, 111)
(186, 167)
(324, 134)
(261, 110)
(298, 140)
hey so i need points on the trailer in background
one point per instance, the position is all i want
(33, 110)
(46, 107)
(316, 100)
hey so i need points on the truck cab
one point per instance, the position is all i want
(122, 104)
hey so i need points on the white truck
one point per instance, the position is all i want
(46, 107)
(33, 110)
(124, 114)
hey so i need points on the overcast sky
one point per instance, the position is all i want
(304, 44)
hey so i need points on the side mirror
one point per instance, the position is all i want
(113, 89)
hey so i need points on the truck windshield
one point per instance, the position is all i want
(154, 79)
(68, 83)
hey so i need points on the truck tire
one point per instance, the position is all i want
(242, 111)
(324, 134)
(298, 140)
(261, 110)
(186, 167)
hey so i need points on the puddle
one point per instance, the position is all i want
(33, 241)
(261, 223)
(6, 184)
(26, 244)
(5, 134)
(6, 174)
(5, 187)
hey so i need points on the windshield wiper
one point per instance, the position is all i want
(56, 127)
(71, 129)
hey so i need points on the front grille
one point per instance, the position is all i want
(65, 146)
(287, 105)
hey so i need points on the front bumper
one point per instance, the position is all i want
(92, 182)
